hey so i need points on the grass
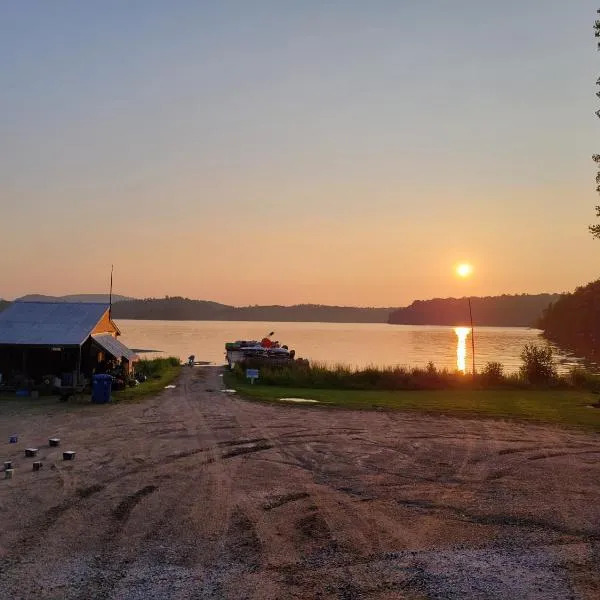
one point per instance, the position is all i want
(150, 387)
(160, 372)
(537, 392)
(559, 407)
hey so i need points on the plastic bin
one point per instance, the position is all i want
(101, 388)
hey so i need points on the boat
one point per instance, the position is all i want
(265, 352)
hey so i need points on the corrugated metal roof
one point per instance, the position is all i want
(113, 346)
(49, 323)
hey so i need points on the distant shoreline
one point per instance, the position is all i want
(272, 322)
(522, 310)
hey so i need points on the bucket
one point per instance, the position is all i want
(53, 442)
(7, 465)
(29, 452)
(37, 465)
(13, 439)
(69, 455)
(8, 474)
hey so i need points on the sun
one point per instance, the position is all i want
(464, 270)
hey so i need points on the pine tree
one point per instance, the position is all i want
(595, 229)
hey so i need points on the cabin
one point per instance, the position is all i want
(59, 344)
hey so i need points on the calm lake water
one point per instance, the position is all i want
(355, 344)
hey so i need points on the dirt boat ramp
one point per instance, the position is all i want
(200, 494)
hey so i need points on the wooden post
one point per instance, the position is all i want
(472, 335)
(78, 367)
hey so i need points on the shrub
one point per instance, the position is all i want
(493, 373)
(538, 365)
(581, 378)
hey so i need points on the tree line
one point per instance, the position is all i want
(185, 309)
(495, 311)
(573, 321)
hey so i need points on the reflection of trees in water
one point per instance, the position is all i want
(567, 358)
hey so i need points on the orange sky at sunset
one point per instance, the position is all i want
(367, 259)
(283, 155)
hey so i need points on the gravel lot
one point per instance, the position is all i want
(199, 494)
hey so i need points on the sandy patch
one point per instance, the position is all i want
(299, 400)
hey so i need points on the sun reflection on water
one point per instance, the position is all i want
(461, 348)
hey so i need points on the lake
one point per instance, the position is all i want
(355, 344)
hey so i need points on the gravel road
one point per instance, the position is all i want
(199, 494)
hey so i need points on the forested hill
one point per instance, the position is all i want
(573, 321)
(523, 310)
(184, 309)
(72, 298)
(498, 311)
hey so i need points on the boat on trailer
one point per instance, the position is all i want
(264, 352)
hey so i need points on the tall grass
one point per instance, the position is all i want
(491, 377)
(319, 375)
(159, 373)
(156, 367)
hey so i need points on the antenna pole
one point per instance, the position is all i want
(110, 293)
(472, 335)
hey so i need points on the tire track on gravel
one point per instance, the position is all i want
(42, 525)
(198, 509)
(109, 567)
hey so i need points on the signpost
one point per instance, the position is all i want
(252, 374)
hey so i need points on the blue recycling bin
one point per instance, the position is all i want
(101, 388)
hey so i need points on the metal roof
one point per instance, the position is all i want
(113, 346)
(49, 323)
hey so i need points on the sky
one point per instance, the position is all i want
(267, 152)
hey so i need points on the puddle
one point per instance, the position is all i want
(300, 400)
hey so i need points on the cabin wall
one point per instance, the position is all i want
(106, 325)
(36, 363)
